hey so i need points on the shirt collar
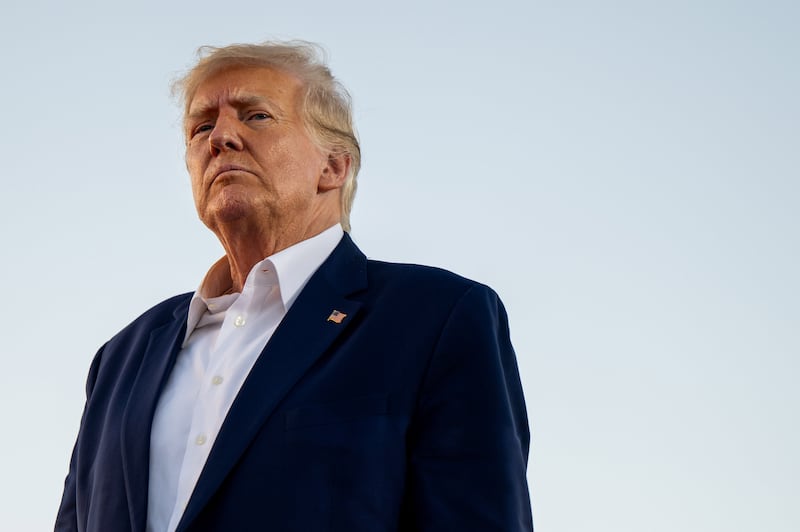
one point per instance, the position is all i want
(293, 266)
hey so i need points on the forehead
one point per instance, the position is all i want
(240, 85)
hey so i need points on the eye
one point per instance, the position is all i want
(259, 116)
(202, 128)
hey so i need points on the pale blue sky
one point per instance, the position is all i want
(624, 174)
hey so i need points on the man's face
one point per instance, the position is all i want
(250, 157)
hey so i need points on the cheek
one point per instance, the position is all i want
(305, 162)
(195, 168)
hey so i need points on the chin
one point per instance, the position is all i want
(230, 208)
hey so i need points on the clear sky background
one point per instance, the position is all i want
(624, 173)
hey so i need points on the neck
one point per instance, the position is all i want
(247, 246)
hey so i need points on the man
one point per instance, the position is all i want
(302, 387)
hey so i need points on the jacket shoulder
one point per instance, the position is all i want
(138, 331)
(162, 312)
(418, 277)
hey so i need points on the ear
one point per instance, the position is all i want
(335, 172)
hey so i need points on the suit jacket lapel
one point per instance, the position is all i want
(137, 418)
(302, 337)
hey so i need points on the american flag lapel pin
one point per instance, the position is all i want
(336, 316)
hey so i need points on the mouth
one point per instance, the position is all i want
(226, 168)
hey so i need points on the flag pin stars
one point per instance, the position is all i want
(336, 316)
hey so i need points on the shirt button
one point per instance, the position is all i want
(216, 380)
(239, 321)
(200, 440)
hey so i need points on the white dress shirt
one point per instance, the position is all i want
(224, 337)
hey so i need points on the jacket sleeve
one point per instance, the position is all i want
(67, 518)
(469, 439)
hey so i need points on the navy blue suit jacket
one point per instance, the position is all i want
(406, 416)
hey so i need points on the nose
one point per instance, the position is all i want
(225, 135)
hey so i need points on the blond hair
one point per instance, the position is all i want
(326, 107)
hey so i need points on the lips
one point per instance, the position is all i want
(228, 168)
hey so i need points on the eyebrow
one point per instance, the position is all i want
(243, 100)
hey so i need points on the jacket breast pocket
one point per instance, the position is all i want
(353, 424)
(348, 410)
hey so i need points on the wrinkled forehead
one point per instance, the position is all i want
(243, 85)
